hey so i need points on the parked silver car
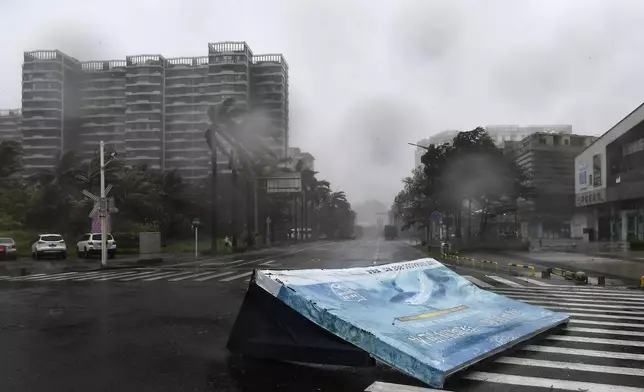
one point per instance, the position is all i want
(8, 249)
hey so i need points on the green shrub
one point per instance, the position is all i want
(636, 244)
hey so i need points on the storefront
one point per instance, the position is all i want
(609, 185)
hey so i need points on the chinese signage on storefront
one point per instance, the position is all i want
(583, 175)
(589, 198)
(597, 170)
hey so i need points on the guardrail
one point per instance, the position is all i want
(530, 267)
(642, 281)
(463, 259)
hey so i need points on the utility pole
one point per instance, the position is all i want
(103, 207)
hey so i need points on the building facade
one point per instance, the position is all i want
(50, 107)
(10, 120)
(548, 160)
(150, 109)
(609, 184)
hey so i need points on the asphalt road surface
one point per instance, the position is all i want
(166, 329)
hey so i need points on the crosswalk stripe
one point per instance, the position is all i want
(139, 275)
(576, 299)
(208, 277)
(223, 263)
(268, 262)
(228, 279)
(571, 366)
(606, 331)
(583, 339)
(575, 290)
(145, 277)
(584, 352)
(175, 273)
(606, 316)
(53, 277)
(605, 323)
(19, 278)
(504, 281)
(80, 274)
(380, 386)
(534, 281)
(595, 305)
(625, 312)
(547, 383)
(101, 275)
(477, 282)
(116, 276)
(189, 276)
(34, 278)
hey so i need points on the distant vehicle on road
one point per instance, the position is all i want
(390, 232)
(90, 245)
(8, 249)
(49, 245)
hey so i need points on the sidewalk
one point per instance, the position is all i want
(611, 267)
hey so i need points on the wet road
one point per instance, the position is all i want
(166, 330)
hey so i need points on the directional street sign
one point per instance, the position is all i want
(90, 195)
(104, 206)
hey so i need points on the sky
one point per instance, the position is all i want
(367, 77)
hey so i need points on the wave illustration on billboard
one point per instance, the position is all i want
(417, 316)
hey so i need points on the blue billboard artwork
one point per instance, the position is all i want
(417, 316)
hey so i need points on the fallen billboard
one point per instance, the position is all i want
(417, 316)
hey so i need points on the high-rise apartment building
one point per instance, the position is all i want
(10, 120)
(150, 109)
(50, 107)
(102, 107)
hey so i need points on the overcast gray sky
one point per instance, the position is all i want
(369, 76)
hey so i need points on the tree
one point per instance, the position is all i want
(10, 158)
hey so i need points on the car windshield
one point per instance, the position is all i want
(51, 238)
(6, 240)
(97, 237)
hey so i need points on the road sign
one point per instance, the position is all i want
(90, 195)
(435, 216)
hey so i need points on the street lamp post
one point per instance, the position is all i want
(103, 208)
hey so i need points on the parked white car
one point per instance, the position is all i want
(49, 245)
(90, 245)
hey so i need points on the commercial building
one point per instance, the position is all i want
(548, 160)
(609, 184)
(10, 120)
(149, 109)
(500, 134)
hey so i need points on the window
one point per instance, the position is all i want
(51, 238)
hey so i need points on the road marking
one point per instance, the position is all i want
(228, 279)
(606, 323)
(116, 276)
(504, 281)
(143, 276)
(268, 262)
(103, 275)
(190, 276)
(582, 339)
(533, 281)
(167, 275)
(19, 278)
(597, 290)
(205, 278)
(597, 311)
(607, 331)
(34, 278)
(50, 277)
(571, 366)
(273, 256)
(595, 305)
(584, 352)
(559, 294)
(547, 383)
(478, 282)
(223, 263)
(380, 386)
(581, 299)
(606, 316)
(81, 274)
